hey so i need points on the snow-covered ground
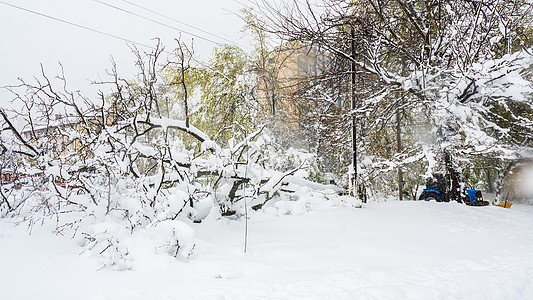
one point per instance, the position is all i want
(390, 250)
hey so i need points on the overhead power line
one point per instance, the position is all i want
(238, 2)
(180, 22)
(157, 22)
(77, 25)
(94, 30)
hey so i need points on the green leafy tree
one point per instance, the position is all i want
(227, 104)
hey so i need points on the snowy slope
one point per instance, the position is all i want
(392, 250)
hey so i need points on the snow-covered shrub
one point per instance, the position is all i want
(106, 241)
(173, 237)
(122, 172)
(306, 199)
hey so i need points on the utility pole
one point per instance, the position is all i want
(399, 145)
(353, 106)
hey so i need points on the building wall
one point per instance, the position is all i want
(285, 80)
(60, 137)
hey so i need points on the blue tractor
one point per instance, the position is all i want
(436, 189)
(474, 198)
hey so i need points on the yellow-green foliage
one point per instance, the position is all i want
(226, 106)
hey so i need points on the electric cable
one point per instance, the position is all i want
(157, 22)
(244, 5)
(78, 25)
(97, 31)
(183, 23)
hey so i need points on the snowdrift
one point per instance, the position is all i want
(391, 250)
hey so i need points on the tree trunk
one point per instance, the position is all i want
(490, 185)
(455, 179)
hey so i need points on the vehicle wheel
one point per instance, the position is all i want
(430, 197)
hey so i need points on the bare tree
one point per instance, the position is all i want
(122, 159)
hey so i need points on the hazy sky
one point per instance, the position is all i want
(29, 38)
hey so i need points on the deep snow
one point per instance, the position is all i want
(389, 250)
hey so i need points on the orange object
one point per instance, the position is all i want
(505, 205)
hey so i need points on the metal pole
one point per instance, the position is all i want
(399, 143)
(353, 106)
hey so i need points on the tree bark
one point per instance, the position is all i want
(454, 179)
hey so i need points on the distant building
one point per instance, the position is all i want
(61, 135)
(285, 79)
(7, 176)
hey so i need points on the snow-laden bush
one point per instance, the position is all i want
(122, 175)
(306, 199)
(173, 237)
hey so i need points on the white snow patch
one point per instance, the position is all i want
(389, 250)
